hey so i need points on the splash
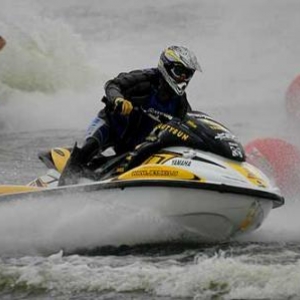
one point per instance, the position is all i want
(42, 53)
(83, 221)
(44, 70)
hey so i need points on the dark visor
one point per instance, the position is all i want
(180, 72)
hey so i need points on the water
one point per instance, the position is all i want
(52, 72)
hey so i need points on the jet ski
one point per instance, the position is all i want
(197, 177)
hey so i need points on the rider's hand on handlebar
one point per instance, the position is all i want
(124, 107)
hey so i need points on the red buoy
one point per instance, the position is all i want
(292, 98)
(279, 160)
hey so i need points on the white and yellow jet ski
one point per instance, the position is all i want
(198, 178)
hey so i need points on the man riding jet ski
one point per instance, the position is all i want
(161, 88)
(195, 131)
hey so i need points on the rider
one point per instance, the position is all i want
(119, 124)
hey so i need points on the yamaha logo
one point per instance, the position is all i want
(181, 162)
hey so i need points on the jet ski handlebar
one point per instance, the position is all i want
(155, 115)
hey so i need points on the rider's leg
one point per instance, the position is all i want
(98, 138)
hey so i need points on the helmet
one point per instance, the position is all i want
(178, 65)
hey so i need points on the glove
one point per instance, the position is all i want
(123, 106)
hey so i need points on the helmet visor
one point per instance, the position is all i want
(180, 73)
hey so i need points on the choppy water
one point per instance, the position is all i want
(236, 271)
(52, 72)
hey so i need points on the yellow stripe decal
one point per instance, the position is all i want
(17, 189)
(172, 54)
(159, 172)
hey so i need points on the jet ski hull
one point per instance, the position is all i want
(214, 213)
(211, 212)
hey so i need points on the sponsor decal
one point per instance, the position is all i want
(191, 124)
(225, 136)
(253, 178)
(160, 172)
(154, 173)
(254, 217)
(250, 174)
(178, 133)
(159, 158)
(181, 162)
(214, 125)
(235, 149)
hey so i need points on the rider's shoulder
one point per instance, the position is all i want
(145, 72)
(139, 73)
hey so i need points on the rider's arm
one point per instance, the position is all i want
(126, 85)
(2, 42)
